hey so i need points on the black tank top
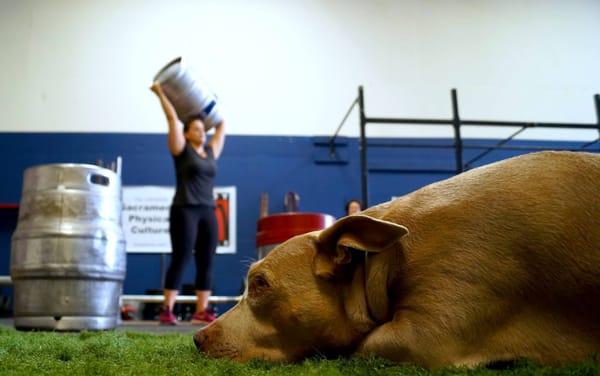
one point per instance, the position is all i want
(195, 177)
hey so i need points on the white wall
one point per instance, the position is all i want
(293, 67)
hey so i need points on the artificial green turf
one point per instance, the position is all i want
(129, 353)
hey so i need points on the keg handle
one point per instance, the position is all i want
(99, 179)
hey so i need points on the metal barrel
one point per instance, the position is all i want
(68, 250)
(275, 229)
(189, 96)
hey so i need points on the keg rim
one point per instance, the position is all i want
(159, 76)
(72, 165)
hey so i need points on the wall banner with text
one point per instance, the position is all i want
(145, 218)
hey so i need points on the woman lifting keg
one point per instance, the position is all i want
(193, 225)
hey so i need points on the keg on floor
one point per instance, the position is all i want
(274, 229)
(189, 96)
(68, 251)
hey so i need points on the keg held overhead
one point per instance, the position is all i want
(190, 97)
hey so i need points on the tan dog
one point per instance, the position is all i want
(497, 263)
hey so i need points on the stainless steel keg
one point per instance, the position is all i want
(189, 96)
(68, 251)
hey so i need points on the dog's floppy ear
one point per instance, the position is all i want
(357, 232)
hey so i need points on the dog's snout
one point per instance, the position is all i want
(199, 339)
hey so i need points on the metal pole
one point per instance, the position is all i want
(597, 125)
(178, 299)
(492, 148)
(363, 149)
(492, 123)
(332, 139)
(457, 138)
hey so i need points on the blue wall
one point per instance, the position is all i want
(253, 164)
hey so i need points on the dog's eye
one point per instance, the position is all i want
(258, 284)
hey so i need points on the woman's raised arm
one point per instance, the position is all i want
(175, 139)
(218, 139)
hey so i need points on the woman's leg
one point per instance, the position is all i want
(182, 228)
(170, 297)
(206, 245)
(202, 300)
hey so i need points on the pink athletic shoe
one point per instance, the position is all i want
(166, 317)
(205, 317)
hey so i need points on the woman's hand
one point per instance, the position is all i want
(156, 88)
